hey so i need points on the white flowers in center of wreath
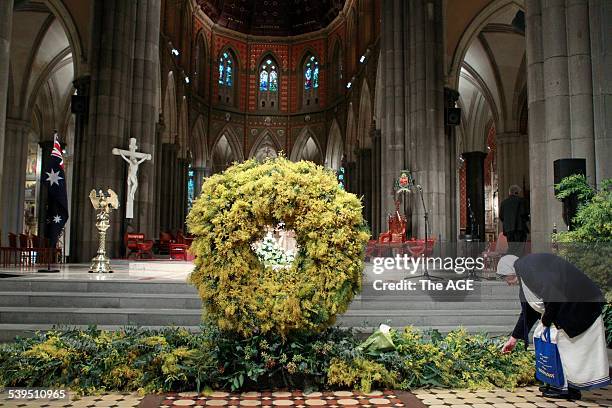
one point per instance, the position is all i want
(278, 247)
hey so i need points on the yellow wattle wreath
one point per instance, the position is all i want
(238, 292)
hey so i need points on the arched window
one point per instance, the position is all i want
(268, 84)
(311, 81)
(227, 73)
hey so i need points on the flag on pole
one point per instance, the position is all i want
(57, 207)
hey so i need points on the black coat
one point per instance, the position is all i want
(571, 299)
(514, 214)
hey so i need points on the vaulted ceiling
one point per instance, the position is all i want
(272, 17)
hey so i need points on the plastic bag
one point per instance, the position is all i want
(379, 341)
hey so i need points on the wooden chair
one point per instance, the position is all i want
(137, 245)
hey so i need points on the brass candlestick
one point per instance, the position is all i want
(103, 204)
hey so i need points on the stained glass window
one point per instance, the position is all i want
(273, 81)
(311, 73)
(263, 80)
(225, 70)
(268, 85)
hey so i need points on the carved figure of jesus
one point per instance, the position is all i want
(134, 159)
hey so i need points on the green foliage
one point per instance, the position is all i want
(94, 361)
(243, 294)
(593, 219)
(457, 360)
(589, 245)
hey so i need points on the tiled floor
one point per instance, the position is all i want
(521, 398)
(107, 400)
(436, 398)
(286, 399)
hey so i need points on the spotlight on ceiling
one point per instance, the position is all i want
(362, 59)
(348, 86)
(186, 79)
(175, 52)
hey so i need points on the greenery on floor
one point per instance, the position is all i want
(589, 244)
(92, 361)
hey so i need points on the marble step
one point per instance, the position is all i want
(192, 301)
(484, 288)
(192, 317)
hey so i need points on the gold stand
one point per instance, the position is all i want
(104, 204)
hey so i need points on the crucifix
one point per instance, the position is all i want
(133, 159)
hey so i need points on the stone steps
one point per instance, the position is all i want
(192, 301)
(30, 304)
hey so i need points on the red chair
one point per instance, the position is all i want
(136, 244)
(179, 251)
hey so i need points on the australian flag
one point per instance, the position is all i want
(55, 180)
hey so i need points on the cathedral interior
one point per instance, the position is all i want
(470, 96)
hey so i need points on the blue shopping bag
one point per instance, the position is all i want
(548, 361)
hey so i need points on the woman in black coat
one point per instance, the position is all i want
(560, 296)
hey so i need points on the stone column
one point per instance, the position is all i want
(474, 166)
(427, 147)
(13, 175)
(81, 163)
(538, 165)
(580, 84)
(122, 99)
(144, 110)
(600, 15)
(512, 161)
(6, 22)
(393, 119)
(168, 186)
(563, 74)
(199, 174)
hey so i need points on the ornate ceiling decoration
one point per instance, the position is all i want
(272, 17)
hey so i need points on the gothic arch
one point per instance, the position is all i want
(364, 141)
(170, 111)
(225, 151)
(265, 146)
(268, 99)
(79, 58)
(310, 99)
(351, 135)
(306, 147)
(228, 95)
(471, 33)
(199, 146)
(335, 148)
(200, 64)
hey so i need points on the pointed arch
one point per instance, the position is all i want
(198, 145)
(335, 148)
(226, 147)
(227, 76)
(364, 141)
(265, 146)
(200, 64)
(309, 83)
(351, 135)
(306, 147)
(268, 82)
(170, 111)
(472, 31)
(336, 69)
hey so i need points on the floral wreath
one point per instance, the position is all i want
(239, 292)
